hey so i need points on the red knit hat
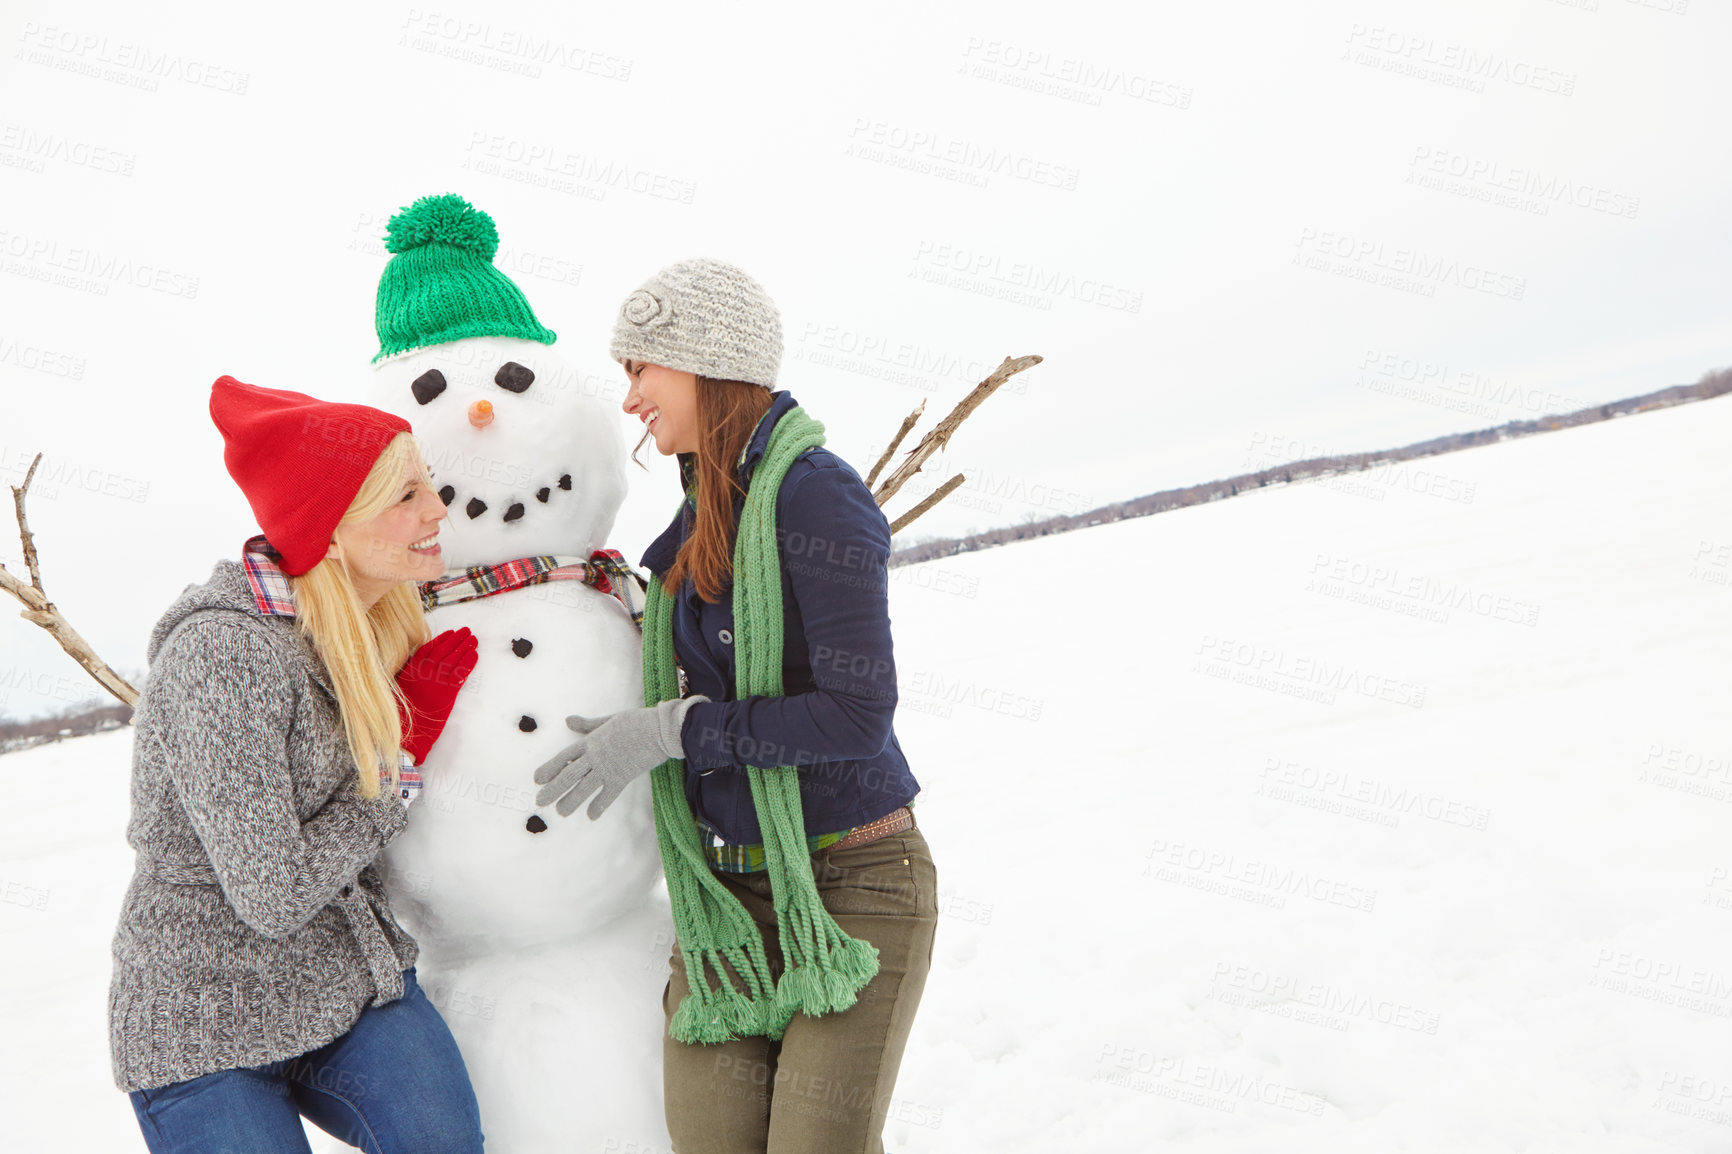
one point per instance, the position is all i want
(299, 460)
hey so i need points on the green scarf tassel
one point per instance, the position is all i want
(824, 969)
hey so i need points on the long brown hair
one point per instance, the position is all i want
(728, 411)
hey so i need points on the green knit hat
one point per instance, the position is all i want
(440, 285)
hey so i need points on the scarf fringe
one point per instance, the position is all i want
(705, 1021)
(830, 984)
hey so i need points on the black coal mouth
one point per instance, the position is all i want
(475, 508)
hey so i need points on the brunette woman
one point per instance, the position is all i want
(804, 897)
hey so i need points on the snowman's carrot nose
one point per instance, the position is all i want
(481, 414)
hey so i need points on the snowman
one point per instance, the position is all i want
(544, 939)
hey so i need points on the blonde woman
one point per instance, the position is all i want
(259, 975)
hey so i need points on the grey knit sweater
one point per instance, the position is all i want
(255, 926)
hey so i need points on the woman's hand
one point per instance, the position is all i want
(430, 680)
(610, 752)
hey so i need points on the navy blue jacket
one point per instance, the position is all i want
(838, 675)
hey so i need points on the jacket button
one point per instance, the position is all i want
(727, 638)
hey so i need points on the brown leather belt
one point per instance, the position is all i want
(897, 820)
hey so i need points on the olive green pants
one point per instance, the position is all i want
(826, 1085)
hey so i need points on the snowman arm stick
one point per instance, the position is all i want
(941, 433)
(908, 423)
(38, 610)
(932, 499)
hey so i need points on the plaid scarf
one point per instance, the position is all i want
(275, 597)
(605, 569)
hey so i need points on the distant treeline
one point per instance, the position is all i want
(1712, 385)
(72, 721)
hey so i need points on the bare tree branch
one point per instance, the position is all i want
(932, 499)
(907, 423)
(941, 433)
(24, 527)
(38, 610)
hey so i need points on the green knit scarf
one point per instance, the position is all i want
(824, 968)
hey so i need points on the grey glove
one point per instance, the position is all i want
(610, 752)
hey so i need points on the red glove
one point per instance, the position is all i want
(430, 680)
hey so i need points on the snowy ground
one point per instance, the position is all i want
(1385, 814)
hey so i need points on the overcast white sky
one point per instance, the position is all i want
(1236, 232)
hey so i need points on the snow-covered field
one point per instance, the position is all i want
(1383, 814)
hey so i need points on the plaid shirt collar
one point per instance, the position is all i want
(271, 588)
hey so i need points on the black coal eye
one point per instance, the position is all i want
(428, 385)
(514, 377)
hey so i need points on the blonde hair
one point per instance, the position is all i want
(364, 648)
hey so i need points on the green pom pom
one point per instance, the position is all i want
(447, 219)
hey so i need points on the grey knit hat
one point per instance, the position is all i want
(704, 317)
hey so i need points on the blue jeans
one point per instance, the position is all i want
(393, 1084)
